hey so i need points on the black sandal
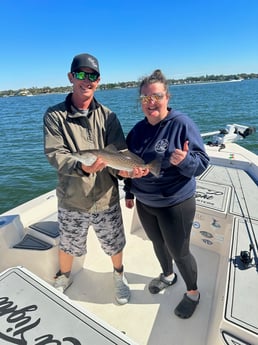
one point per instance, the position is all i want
(160, 283)
(186, 307)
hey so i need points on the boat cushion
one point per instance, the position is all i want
(49, 228)
(33, 243)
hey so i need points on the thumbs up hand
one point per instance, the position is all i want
(178, 155)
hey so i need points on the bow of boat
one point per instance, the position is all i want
(224, 242)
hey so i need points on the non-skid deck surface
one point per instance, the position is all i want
(244, 190)
(147, 319)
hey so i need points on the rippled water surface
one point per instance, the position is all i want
(24, 170)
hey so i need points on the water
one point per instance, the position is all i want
(24, 171)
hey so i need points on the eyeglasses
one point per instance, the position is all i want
(81, 75)
(155, 97)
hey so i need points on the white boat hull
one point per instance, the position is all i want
(226, 223)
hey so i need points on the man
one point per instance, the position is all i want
(87, 195)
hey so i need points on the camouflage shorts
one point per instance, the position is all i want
(74, 226)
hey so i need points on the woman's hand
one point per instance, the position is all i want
(178, 155)
(129, 203)
(135, 173)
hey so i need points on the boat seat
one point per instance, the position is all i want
(48, 228)
(32, 243)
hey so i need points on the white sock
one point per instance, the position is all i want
(170, 277)
(193, 297)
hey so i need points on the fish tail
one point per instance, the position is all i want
(154, 167)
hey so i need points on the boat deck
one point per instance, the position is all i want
(226, 223)
(147, 316)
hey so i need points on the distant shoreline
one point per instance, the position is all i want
(131, 84)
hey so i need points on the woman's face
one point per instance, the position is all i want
(154, 101)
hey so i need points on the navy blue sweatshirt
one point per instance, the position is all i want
(175, 183)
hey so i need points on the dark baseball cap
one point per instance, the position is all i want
(85, 60)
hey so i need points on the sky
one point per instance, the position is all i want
(130, 38)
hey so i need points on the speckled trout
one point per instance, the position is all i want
(120, 160)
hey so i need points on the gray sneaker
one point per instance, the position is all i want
(62, 282)
(122, 291)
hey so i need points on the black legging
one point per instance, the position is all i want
(169, 229)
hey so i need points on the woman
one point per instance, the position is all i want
(166, 204)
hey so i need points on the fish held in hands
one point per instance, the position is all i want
(120, 160)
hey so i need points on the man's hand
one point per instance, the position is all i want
(98, 165)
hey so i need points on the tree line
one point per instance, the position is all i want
(129, 84)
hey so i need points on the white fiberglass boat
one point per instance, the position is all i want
(224, 242)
